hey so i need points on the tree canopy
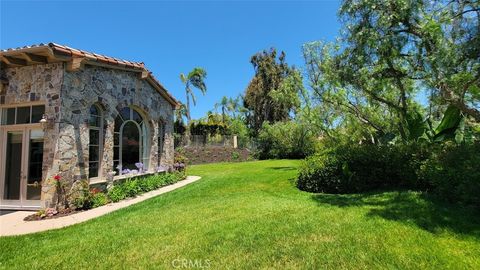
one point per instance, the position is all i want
(263, 96)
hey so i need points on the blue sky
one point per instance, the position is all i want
(174, 37)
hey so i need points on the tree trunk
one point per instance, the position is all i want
(223, 115)
(188, 107)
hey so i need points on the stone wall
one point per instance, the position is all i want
(68, 97)
(112, 90)
(39, 83)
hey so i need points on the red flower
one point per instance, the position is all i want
(57, 177)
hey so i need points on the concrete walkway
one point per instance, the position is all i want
(13, 223)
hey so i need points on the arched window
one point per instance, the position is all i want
(95, 146)
(130, 141)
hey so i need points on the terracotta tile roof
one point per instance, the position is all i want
(69, 52)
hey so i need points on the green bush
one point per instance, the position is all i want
(116, 193)
(359, 168)
(239, 128)
(99, 199)
(285, 140)
(84, 198)
(133, 187)
(453, 171)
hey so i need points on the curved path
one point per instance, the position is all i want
(13, 223)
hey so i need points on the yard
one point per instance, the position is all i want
(250, 215)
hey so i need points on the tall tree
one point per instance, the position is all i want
(180, 113)
(390, 51)
(407, 45)
(270, 72)
(224, 106)
(234, 105)
(339, 105)
(195, 78)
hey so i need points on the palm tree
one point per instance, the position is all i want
(224, 105)
(234, 105)
(180, 113)
(195, 78)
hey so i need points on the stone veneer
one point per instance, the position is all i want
(68, 97)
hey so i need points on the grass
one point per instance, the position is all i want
(250, 215)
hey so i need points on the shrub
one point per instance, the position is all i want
(84, 198)
(447, 170)
(180, 161)
(285, 140)
(116, 193)
(239, 128)
(80, 196)
(134, 187)
(358, 168)
(453, 171)
(99, 199)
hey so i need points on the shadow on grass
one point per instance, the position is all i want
(282, 168)
(418, 209)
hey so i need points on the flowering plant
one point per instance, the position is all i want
(50, 212)
(95, 190)
(61, 192)
(162, 169)
(57, 179)
(179, 166)
(139, 166)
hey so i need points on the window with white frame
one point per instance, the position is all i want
(22, 115)
(131, 145)
(95, 146)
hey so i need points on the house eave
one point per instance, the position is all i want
(75, 60)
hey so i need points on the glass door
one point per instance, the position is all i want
(21, 168)
(13, 166)
(34, 166)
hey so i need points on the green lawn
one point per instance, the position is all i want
(250, 215)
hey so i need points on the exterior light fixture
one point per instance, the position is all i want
(43, 122)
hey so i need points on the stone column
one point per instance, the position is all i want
(108, 143)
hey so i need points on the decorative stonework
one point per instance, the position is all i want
(68, 97)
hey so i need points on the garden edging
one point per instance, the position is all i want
(13, 223)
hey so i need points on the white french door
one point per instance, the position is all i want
(21, 160)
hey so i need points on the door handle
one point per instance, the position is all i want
(35, 184)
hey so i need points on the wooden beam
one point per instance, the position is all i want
(14, 61)
(143, 75)
(36, 58)
(17, 61)
(75, 64)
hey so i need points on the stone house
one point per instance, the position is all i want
(79, 115)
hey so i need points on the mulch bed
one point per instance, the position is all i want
(61, 213)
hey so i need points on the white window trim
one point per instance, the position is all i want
(100, 145)
(19, 105)
(144, 144)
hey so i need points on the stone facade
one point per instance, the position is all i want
(68, 96)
